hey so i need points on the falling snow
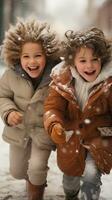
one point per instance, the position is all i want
(12, 189)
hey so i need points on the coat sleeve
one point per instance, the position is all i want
(54, 108)
(6, 96)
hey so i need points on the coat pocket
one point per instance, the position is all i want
(15, 136)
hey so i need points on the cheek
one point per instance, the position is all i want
(43, 63)
(42, 67)
(98, 67)
(79, 67)
(23, 65)
(80, 71)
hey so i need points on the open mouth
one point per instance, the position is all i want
(90, 73)
(33, 68)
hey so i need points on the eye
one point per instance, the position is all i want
(38, 55)
(25, 56)
(83, 61)
(95, 59)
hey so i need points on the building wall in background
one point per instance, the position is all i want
(104, 17)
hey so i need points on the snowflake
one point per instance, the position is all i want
(64, 150)
(77, 151)
(19, 38)
(87, 121)
(77, 132)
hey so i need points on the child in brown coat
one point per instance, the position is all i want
(78, 112)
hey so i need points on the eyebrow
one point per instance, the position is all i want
(35, 52)
(82, 57)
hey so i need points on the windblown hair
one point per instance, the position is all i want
(28, 31)
(92, 38)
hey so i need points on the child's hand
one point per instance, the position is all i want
(58, 135)
(14, 118)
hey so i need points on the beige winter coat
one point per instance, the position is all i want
(17, 93)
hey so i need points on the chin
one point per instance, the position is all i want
(91, 80)
(34, 75)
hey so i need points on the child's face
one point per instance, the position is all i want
(87, 64)
(33, 59)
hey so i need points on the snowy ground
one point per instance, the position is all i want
(12, 189)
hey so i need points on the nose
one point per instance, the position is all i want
(89, 65)
(32, 60)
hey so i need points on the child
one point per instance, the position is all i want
(78, 112)
(30, 50)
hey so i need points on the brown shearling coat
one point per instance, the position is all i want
(61, 106)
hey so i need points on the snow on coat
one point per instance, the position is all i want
(62, 107)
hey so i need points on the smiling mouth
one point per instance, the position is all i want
(90, 73)
(33, 68)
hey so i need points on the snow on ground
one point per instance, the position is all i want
(11, 188)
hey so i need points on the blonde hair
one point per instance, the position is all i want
(92, 38)
(28, 31)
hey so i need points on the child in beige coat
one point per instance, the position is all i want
(30, 51)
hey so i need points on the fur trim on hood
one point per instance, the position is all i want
(28, 31)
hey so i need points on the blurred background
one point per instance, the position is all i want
(61, 14)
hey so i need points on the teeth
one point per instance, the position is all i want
(32, 68)
(90, 72)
